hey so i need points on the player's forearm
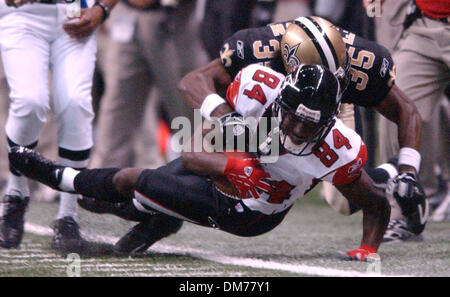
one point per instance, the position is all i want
(409, 133)
(203, 163)
(375, 221)
(199, 160)
(376, 213)
(198, 84)
(376, 209)
(398, 108)
(409, 126)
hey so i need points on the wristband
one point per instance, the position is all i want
(409, 156)
(210, 104)
(105, 9)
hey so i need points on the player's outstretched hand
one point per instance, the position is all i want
(90, 19)
(246, 176)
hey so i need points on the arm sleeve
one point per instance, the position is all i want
(351, 171)
(253, 89)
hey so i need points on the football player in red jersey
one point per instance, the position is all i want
(314, 146)
(367, 75)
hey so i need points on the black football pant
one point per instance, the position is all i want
(180, 193)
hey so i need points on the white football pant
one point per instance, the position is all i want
(32, 43)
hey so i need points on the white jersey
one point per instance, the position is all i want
(339, 159)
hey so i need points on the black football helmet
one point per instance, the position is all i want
(310, 95)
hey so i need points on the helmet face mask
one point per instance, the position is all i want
(312, 133)
(306, 108)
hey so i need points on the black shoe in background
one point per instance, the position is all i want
(67, 237)
(12, 221)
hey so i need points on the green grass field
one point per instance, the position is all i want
(303, 245)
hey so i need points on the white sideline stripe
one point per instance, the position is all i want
(227, 260)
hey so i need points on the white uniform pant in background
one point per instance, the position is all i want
(33, 42)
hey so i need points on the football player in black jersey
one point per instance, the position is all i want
(367, 75)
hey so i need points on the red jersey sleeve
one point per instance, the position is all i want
(351, 171)
(233, 90)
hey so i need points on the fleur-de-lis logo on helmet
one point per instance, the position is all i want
(289, 55)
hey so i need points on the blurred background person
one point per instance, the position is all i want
(37, 38)
(4, 103)
(221, 18)
(150, 44)
(418, 34)
(143, 60)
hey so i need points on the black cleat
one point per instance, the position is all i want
(31, 164)
(139, 238)
(12, 221)
(67, 237)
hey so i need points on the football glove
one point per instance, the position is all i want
(363, 253)
(409, 194)
(246, 176)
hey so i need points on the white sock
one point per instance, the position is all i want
(17, 186)
(68, 206)
(68, 178)
(68, 202)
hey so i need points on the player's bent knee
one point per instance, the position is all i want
(74, 110)
(126, 179)
(31, 104)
